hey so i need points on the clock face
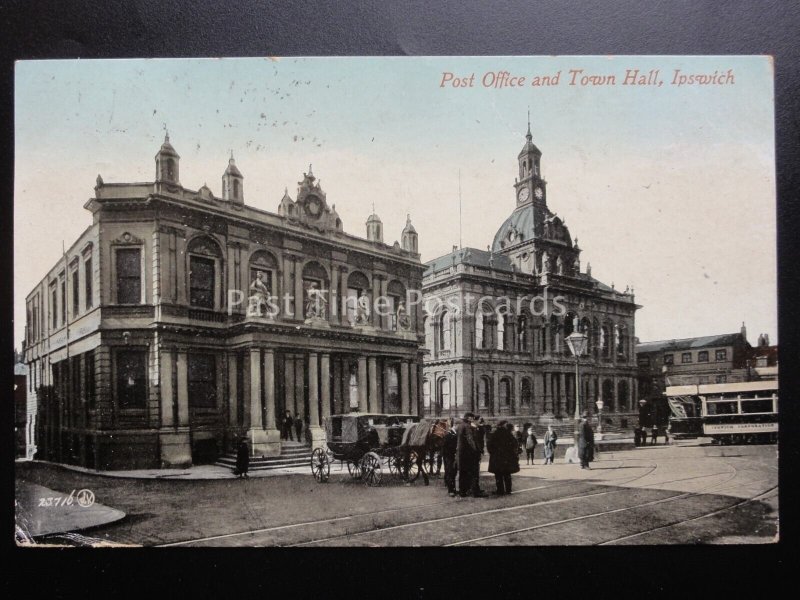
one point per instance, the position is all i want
(524, 194)
(538, 193)
(313, 206)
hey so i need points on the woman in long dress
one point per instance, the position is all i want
(549, 445)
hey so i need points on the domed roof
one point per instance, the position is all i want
(232, 169)
(525, 223)
(409, 228)
(373, 218)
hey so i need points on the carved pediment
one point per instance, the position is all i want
(127, 238)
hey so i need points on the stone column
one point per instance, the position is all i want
(174, 439)
(299, 385)
(259, 442)
(233, 391)
(413, 387)
(384, 284)
(495, 394)
(286, 287)
(343, 295)
(298, 290)
(325, 384)
(362, 384)
(183, 389)
(405, 396)
(334, 306)
(316, 432)
(373, 384)
(273, 434)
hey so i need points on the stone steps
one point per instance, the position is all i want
(293, 454)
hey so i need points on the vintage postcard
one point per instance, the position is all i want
(447, 301)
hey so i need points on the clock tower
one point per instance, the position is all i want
(530, 186)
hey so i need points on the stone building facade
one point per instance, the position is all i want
(180, 321)
(724, 358)
(496, 321)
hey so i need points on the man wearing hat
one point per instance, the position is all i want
(585, 441)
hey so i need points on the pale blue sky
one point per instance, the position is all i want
(669, 189)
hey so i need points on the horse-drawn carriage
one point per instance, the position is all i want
(369, 444)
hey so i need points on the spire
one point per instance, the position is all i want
(310, 172)
(528, 135)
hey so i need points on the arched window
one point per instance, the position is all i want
(235, 188)
(526, 393)
(427, 325)
(357, 283)
(622, 395)
(608, 395)
(396, 294)
(606, 340)
(443, 400)
(484, 392)
(316, 277)
(522, 334)
(479, 329)
(501, 332)
(205, 262)
(444, 331)
(505, 392)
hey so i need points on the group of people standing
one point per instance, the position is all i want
(464, 446)
(288, 424)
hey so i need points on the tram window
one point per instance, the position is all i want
(721, 408)
(757, 406)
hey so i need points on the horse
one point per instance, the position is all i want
(422, 439)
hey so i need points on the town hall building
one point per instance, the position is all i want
(180, 321)
(492, 351)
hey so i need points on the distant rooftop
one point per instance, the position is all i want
(725, 339)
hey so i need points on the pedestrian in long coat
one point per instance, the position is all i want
(287, 426)
(503, 456)
(467, 455)
(585, 443)
(243, 459)
(298, 427)
(550, 438)
(449, 448)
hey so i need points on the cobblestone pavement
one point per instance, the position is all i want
(689, 492)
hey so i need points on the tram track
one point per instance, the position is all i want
(595, 515)
(649, 470)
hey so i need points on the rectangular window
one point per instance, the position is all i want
(54, 306)
(201, 282)
(721, 355)
(644, 361)
(686, 357)
(131, 378)
(702, 356)
(721, 379)
(87, 279)
(668, 359)
(202, 381)
(75, 294)
(129, 276)
(63, 299)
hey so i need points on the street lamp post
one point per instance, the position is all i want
(599, 405)
(577, 345)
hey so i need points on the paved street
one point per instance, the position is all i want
(687, 492)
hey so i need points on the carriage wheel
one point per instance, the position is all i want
(320, 465)
(354, 468)
(413, 468)
(395, 466)
(371, 469)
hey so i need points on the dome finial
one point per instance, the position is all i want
(166, 135)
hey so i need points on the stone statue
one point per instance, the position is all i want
(315, 302)
(362, 309)
(616, 336)
(575, 323)
(403, 322)
(602, 337)
(259, 296)
(559, 266)
(545, 262)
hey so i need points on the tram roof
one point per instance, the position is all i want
(721, 388)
